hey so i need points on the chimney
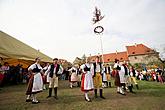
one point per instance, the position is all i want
(116, 51)
(135, 45)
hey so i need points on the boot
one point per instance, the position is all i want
(110, 84)
(55, 93)
(78, 84)
(107, 84)
(130, 89)
(137, 86)
(101, 94)
(95, 93)
(50, 93)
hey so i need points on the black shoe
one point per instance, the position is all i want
(101, 94)
(48, 96)
(118, 92)
(33, 102)
(28, 100)
(56, 97)
(102, 97)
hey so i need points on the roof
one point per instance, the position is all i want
(138, 49)
(15, 49)
(121, 56)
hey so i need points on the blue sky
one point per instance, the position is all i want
(64, 29)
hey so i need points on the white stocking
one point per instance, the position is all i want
(86, 96)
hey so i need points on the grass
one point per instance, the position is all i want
(150, 96)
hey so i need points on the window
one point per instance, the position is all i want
(135, 57)
(133, 52)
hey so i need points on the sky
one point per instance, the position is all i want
(64, 28)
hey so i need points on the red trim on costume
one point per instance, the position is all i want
(82, 82)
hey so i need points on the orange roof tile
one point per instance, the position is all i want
(138, 49)
(121, 56)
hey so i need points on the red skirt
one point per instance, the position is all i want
(1, 76)
(30, 85)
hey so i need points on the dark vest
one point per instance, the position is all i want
(52, 70)
(36, 69)
(134, 73)
(86, 68)
(125, 69)
(109, 70)
(94, 64)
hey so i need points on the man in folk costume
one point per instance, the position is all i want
(133, 73)
(97, 69)
(73, 76)
(128, 78)
(107, 70)
(87, 80)
(54, 71)
(35, 84)
(117, 68)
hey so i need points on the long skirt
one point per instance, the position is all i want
(74, 77)
(48, 78)
(87, 82)
(104, 77)
(117, 79)
(35, 84)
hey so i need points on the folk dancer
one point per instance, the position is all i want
(73, 76)
(97, 70)
(35, 84)
(117, 68)
(54, 70)
(107, 70)
(128, 78)
(47, 78)
(133, 73)
(87, 80)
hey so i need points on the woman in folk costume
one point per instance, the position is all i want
(104, 78)
(73, 77)
(35, 84)
(117, 68)
(97, 70)
(87, 80)
(122, 74)
(47, 78)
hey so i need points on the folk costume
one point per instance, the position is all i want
(117, 68)
(107, 70)
(35, 84)
(87, 80)
(133, 77)
(128, 78)
(54, 70)
(97, 69)
(73, 76)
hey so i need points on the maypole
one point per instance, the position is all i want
(98, 30)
